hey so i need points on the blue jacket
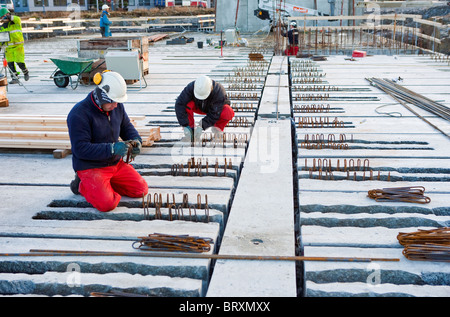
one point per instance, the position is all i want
(104, 22)
(92, 132)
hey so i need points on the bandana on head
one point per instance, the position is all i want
(100, 97)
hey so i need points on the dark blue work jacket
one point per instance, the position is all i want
(92, 132)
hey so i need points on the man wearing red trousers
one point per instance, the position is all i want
(207, 97)
(95, 125)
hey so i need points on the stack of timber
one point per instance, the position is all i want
(3, 92)
(49, 132)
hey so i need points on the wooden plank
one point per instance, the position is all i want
(51, 132)
(428, 22)
(35, 135)
(34, 144)
(61, 153)
(167, 24)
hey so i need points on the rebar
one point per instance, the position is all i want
(173, 243)
(51, 253)
(174, 209)
(426, 245)
(413, 194)
(403, 95)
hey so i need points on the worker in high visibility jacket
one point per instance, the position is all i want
(14, 52)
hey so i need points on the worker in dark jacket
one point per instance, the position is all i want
(292, 36)
(207, 97)
(95, 125)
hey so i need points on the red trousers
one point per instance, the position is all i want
(291, 50)
(225, 117)
(103, 187)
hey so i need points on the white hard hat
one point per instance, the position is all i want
(105, 6)
(202, 87)
(294, 24)
(113, 85)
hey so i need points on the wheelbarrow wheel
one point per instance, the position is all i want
(61, 80)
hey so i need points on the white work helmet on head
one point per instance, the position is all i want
(294, 24)
(202, 87)
(112, 84)
(105, 6)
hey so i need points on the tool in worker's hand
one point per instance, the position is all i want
(134, 148)
(414, 194)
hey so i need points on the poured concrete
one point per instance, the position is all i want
(261, 219)
(337, 217)
(252, 205)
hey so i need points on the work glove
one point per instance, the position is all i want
(120, 148)
(188, 132)
(137, 146)
(198, 134)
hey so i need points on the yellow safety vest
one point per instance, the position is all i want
(15, 31)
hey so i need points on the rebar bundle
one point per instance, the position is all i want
(413, 194)
(174, 243)
(413, 98)
(426, 245)
(403, 96)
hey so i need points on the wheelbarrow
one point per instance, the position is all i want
(71, 66)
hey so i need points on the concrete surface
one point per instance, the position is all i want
(254, 208)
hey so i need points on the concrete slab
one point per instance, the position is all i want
(402, 278)
(247, 231)
(85, 284)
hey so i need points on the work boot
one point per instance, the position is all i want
(14, 81)
(75, 185)
(26, 75)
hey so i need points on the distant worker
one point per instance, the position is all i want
(292, 36)
(104, 22)
(203, 96)
(14, 52)
(95, 125)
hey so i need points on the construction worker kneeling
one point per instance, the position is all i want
(95, 125)
(14, 52)
(207, 97)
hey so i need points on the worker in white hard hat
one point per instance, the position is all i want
(105, 22)
(206, 97)
(292, 36)
(101, 134)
